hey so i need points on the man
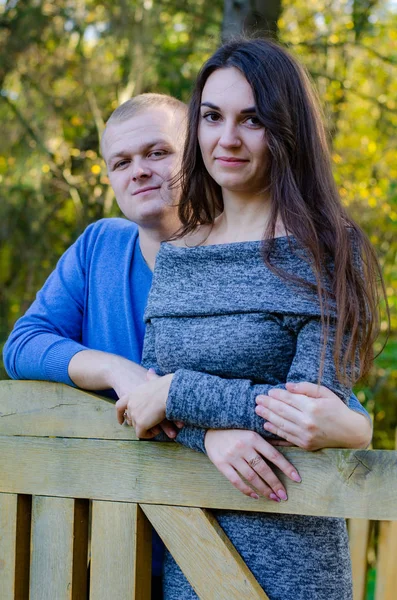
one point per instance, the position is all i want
(86, 327)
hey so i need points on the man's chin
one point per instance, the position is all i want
(152, 216)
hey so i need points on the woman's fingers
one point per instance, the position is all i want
(228, 471)
(313, 390)
(262, 478)
(169, 428)
(286, 426)
(288, 438)
(278, 459)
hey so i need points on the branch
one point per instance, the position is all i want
(317, 74)
(322, 42)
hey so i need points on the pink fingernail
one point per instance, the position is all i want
(282, 495)
(274, 497)
(254, 496)
(296, 477)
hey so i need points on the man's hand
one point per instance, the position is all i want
(313, 417)
(144, 407)
(237, 453)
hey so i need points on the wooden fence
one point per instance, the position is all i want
(74, 484)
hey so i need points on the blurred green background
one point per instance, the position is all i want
(65, 65)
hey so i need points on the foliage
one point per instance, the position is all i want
(66, 64)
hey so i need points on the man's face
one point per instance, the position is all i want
(142, 155)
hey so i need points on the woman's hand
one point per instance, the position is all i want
(237, 453)
(313, 417)
(144, 408)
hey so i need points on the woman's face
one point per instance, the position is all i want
(231, 138)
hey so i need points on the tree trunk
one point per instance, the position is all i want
(254, 17)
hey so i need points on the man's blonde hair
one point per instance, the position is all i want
(142, 102)
(135, 105)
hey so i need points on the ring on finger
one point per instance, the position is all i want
(254, 461)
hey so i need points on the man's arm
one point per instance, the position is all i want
(78, 302)
(96, 370)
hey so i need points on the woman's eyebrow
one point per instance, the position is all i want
(249, 110)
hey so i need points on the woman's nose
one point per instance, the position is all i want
(229, 137)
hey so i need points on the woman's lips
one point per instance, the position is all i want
(231, 161)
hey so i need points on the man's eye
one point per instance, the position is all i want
(157, 153)
(211, 117)
(121, 164)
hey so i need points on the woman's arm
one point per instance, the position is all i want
(211, 402)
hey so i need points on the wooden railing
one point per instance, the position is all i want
(78, 493)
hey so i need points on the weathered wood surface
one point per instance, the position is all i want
(118, 537)
(386, 566)
(94, 457)
(52, 549)
(358, 539)
(335, 482)
(8, 530)
(40, 408)
(214, 571)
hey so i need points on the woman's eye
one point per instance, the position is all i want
(253, 121)
(211, 117)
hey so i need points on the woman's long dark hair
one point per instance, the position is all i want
(304, 195)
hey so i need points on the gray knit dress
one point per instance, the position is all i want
(230, 329)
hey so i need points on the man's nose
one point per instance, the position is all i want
(140, 170)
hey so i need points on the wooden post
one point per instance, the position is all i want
(386, 567)
(8, 531)
(51, 549)
(121, 548)
(358, 540)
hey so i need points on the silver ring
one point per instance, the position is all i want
(125, 415)
(254, 461)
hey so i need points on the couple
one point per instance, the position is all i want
(231, 321)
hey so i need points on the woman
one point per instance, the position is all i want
(233, 317)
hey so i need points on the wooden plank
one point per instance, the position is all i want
(386, 567)
(143, 557)
(80, 550)
(52, 548)
(340, 483)
(8, 531)
(205, 554)
(22, 566)
(53, 409)
(358, 539)
(118, 537)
